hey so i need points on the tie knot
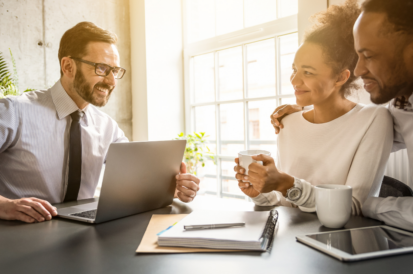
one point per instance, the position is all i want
(77, 115)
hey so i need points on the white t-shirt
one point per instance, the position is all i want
(350, 150)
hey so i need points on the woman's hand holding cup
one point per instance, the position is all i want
(245, 187)
(261, 172)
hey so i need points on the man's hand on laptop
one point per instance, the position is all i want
(28, 210)
(187, 185)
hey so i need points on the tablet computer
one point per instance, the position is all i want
(361, 243)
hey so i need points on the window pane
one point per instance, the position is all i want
(204, 78)
(208, 184)
(268, 147)
(261, 68)
(289, 101)
(229, 16)
(288, 47)
(231, 190)
(200, 20)
(230, 186)
(227, 169)
(230, 74)
(259, 11)
(209, 169)
(205, 121)
(259, 124)
(232, 128)
(212, 145)
(287, 7)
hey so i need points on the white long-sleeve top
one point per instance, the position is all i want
(350, 150)
(396, 211)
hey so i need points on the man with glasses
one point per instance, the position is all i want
(53, 142)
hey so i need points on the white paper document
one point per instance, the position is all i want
(248, 237)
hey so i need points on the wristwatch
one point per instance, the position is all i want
(294, 193)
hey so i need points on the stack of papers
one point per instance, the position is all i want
(248, 237)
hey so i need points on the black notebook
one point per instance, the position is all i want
(257, 234)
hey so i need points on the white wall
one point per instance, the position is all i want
(306, 8)
(156, 35)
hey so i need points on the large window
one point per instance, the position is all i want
(238, 58)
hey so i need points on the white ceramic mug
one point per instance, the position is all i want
(333, 204)
(245, 158)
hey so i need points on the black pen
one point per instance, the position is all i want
(212, 226)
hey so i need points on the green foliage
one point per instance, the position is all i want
(15, 76)
(9, 82)
(196, 151)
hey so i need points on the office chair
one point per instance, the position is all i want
(394, 188)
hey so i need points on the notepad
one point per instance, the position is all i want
(255, 235)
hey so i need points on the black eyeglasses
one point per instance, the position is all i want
(102, 69)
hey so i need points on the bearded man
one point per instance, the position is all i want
(37, 131)
(383, 37)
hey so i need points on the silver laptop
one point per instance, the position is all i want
(139, 176)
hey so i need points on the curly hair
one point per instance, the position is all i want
(399, 13)
(333, 31)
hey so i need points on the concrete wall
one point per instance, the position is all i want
(32, 30)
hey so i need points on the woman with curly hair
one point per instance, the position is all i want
(336, 142)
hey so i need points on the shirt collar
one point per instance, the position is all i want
(63, 103)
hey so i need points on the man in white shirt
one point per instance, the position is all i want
(383, 37)
(384, 41)
(53, 142)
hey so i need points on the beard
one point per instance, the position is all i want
(82, 87)
(400, 82)
(386, 93)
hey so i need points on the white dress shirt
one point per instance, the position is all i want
(34, 144)
(351, 150)
(396, 211)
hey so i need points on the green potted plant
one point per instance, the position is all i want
(196, 151)
(9, 81)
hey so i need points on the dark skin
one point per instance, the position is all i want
(264, 178)
(315, 84)
(385, 58)
(385, 62)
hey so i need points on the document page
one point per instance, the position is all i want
(251, 232)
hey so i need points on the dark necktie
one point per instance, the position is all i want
(75, 158)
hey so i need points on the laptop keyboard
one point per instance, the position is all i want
(90, 214)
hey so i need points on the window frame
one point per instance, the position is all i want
(270, 30)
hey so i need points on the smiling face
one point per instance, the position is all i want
(313, 80)
(383, 58)
(92, 88)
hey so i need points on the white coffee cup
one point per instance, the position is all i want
(333, 204)
(245, 158)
